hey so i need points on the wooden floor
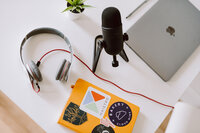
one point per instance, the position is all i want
(14, 120)
(164, 124)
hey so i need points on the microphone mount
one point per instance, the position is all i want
(99, 44)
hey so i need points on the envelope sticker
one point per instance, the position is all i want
(95, 102)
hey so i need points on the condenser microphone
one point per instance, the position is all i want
(112, 39)
(112, 31)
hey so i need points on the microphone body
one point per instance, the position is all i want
(112, 31)
(113, 40)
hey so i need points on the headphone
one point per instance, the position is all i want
(32, 68)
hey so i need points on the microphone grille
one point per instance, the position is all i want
(111, 17)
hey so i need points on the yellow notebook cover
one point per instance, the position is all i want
(91, 109)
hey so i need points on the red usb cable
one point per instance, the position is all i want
(106, 79)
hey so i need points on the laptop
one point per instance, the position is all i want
(166, 36)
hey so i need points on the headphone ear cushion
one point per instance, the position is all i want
(34, 71)
(63, 71)
(60, 71)
(66, 70)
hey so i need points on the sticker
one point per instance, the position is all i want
(120, 114)
(103, 129)
(74, 115)
(106, 122)
(95, 102)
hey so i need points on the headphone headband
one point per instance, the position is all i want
(35, 70)
(49, 31)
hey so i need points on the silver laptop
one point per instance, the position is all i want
(166, 36)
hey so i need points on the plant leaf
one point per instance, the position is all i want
(70, 2)
(74, 2)
(77, 2)
(73, 8)
(86, 6)
(78, 10)
(80, 6)
(81, 1)
(68, 9)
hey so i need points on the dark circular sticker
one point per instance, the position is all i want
(120, 114)
(103, 129)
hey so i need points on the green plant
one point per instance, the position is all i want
(76, 6)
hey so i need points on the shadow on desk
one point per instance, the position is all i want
(88, 25)
(141, 122)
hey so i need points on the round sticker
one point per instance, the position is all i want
(103, 129)
(120, 114)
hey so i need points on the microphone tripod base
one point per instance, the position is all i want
(115, 63)
(98, 46)
(124, 56)
(97, 51)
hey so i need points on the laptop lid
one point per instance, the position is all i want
(166, 36)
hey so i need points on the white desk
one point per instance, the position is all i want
(20, 17)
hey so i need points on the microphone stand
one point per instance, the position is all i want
(99, 44)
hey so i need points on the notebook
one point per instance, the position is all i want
(91, 109)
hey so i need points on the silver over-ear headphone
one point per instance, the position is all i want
(32, 68)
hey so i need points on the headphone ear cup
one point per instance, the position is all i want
(66, 70)
(60, 71)
(63, 71)
(34, 71)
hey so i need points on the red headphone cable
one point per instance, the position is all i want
(106, 79)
